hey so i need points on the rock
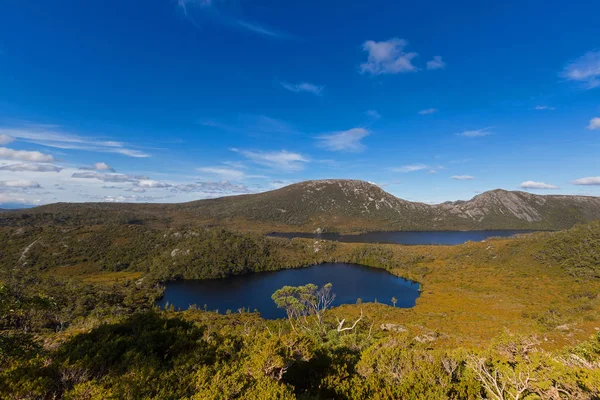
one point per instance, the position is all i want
(427, 337)
(176, 252)
(393, 328)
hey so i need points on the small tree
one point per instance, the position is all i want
(288, 298)
(299, 302)
(394, 301)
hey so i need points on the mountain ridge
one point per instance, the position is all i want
(332, 204)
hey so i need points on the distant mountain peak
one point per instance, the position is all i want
(340, 204)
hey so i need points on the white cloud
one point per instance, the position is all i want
(279, 160)
(536, 185)
(387, 57)
(53, 136)
(21, 155)
(589, 181)
(4, 198)
(31, 168)
(428, 111)
(224, 173)
(585, 69)
(303, 87)
(436, 63)
(476, 133)
(373, 114)
(102, 166)
(5, 139)
(152, 184)
(21, 183)
(349, 140)
(411, 168)
(541, 108)
(594, 123)
(131, 199)
(128, 153)
(213, 189)
(462, 177)
(112, 177)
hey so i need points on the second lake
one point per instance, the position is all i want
(405, 237)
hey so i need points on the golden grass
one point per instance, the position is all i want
(472, 292)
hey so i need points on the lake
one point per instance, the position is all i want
(406, 238)
(253, 291)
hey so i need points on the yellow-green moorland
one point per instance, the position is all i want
(501, 319)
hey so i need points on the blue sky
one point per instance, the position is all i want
(167, 101)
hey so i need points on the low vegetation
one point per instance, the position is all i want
(501, 319)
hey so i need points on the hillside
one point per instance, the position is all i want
(344, 205)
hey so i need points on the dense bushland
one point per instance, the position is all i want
(123, 349)
(68, 331)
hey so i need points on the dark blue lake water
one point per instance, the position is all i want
(253, 291)
(407, 238)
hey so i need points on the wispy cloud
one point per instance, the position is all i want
(5, 139)
(436, 63)
(54, 136)
(31, 168)
(21, 155)
(253, 125)
(305, 87)
(537, 185)
(262, 30)
(21, 184)
(584, 70)
(462, 177)
(349, 140)
(224, 173)
(373, 114)
(589, 181)
(594, 123)
(428, 111)
(183, 4)
(278, 160)
(212, 189)
(132, 199)
(108, 177)
(411, 168)
(544, 108)
(387, 57)
(217, 10)
(476, 133)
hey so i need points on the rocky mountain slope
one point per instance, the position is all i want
(344, 205)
